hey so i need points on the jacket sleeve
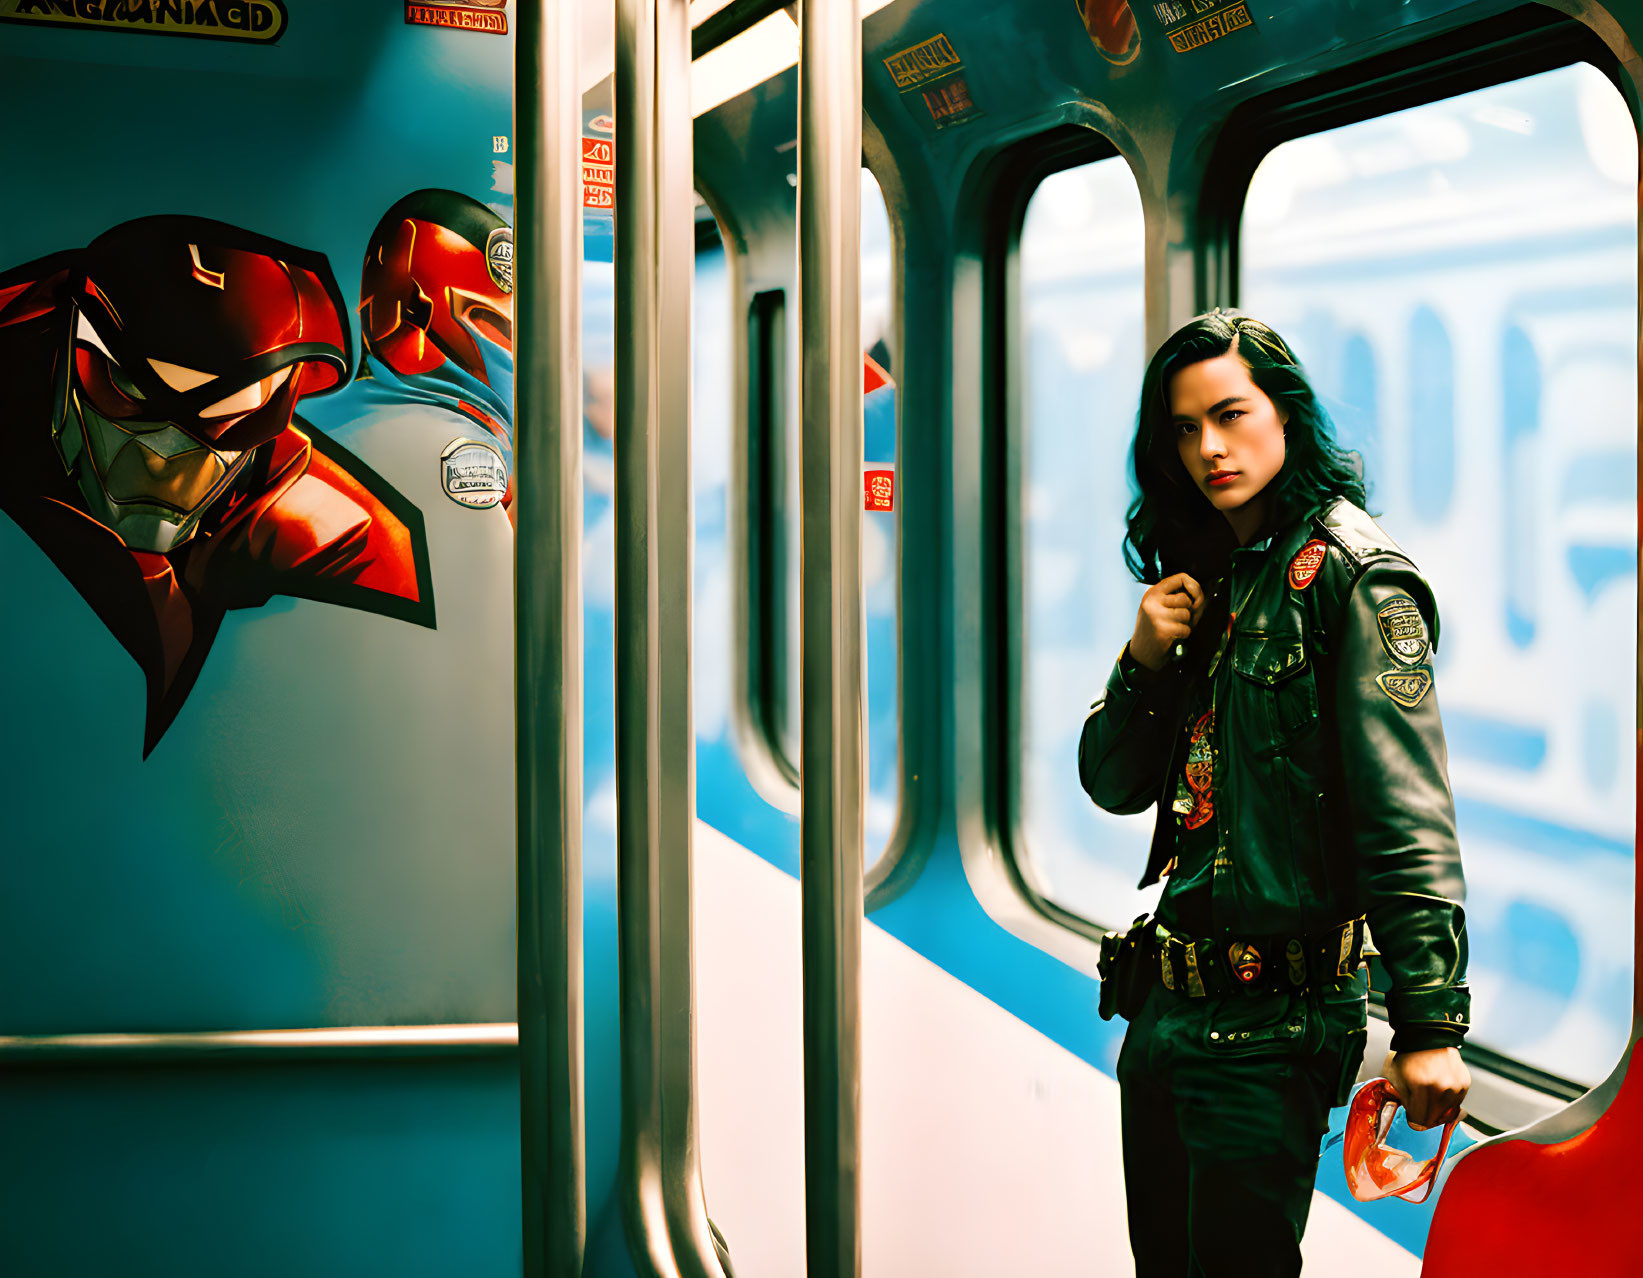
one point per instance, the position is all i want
(1401, 811)
(1124, 749)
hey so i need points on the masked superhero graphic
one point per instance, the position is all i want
(436, 309)
(148, 385)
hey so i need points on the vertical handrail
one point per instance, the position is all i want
(831, 624)
(661, 1183)
(548, 634)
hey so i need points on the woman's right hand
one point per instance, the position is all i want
(1168, 612)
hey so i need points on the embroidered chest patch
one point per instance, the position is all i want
(1195, 797)
(1304, 567)
(1402, 630)
(1407, 687)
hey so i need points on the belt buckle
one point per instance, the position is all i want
(1244, 961)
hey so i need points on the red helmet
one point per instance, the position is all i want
(1377, 1169)
(188, 344)
(438, 276)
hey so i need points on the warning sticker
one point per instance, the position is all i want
(934, 71)
(598, 173)
(461, 15)
(950, 101)
(923, 62)
(879, 488)
(1191, 24)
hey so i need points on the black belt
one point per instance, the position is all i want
(1205, 967)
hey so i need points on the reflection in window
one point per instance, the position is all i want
(879, 555)
(1430, 471)
(1520, 418)
(1082, 351)
(712, 645)
(1478, 255)
(878, 537)
(773, 521)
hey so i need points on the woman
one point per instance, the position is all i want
(1275, 701)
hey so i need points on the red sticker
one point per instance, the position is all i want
(880, 488)
(1304, 567)
(598, 173)
(463, 15)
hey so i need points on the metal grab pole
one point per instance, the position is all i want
(831, 751)
(548, 633)
(660, 1180)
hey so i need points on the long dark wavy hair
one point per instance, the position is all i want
(1172, 526)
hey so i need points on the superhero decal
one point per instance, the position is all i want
(436, 310)
(148, 386)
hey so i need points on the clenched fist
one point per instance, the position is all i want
(1431, 1084)
(1168, 612)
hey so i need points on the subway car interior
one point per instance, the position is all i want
(468, 461)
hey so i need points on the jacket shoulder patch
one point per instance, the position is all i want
(1403, 632)
(1303, 569)
(1407, 687)
(1359, 536)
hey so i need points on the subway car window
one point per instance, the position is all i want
(714, 647)
(878, 535)
(1082, 352)
(1460, 280)
(879, 541)
(711, 444)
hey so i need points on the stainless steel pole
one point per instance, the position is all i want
(661, 1183)
(831, 750)
(548, 632)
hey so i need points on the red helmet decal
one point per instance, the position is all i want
(426, 292)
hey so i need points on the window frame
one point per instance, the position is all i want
(766, 641)
(768, 644)
(1020, 172)
(1519, 43)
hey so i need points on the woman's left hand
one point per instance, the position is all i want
(1431, 1084)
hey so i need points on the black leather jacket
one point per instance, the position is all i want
(1332, 792)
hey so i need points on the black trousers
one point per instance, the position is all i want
(1225, 1101)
